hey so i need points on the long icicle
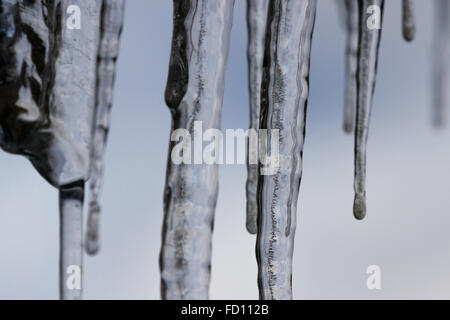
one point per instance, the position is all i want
(371, 17)
(112, 14)
(284, 96)
(256, 26)
(71, 239)
(73, 99)
(194, 94)
(351, 54)
(408, 23)
(441, 61)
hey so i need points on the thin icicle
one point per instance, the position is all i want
(47, 83)
(441, 61)
(194, 93)
(256, 26)
(284, 96)
(408, 24)
(71, 239)
(369, 41)
(112, 14)
(351, 53)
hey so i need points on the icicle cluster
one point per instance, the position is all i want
(47, 105)
(56, 89)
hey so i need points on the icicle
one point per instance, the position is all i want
(47, 84)
(194, 93)
(409, 28)
(256, 25)
(112, 14)
(285, 89)
(71, 236)
(351, 53)
(441, 61)
(369, 41)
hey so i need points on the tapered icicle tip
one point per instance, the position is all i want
(92, 245)
(251, 225)
(359, 207)
(409, 27)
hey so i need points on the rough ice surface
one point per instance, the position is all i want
(256, 25)
(408, 24)
(112, 13)
(194, 92)
(284, 95)
(441, 61)
(47, 85)
(351, 62)
(369, 42)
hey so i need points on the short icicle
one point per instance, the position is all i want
(351, 60)
(194, 95)
(284, 96)
(112, 14)
(256, 26)
(369, 40)
(408, 23)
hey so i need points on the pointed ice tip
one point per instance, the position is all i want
(359, 207)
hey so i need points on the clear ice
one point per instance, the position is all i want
(111, 24)
(256, 26)
(369, 42)
(284, 96)
(194, 92)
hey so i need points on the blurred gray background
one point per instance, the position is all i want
(406, 231)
